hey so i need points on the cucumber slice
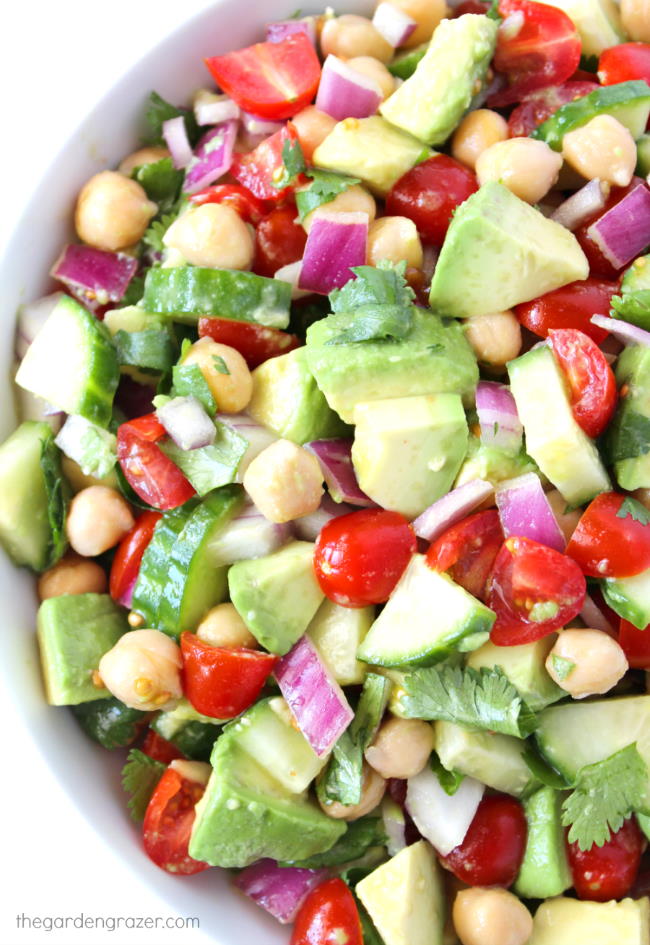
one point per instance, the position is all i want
(187, 292)
(493, 759)
(337, 632)
(72, 363)
(109, 722)
(642, 157)
(630, 597)
(598, 22)
(404, 65)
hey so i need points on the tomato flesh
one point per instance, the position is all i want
(158, 748)
(569, 307)
(607, 872)
(624, 62)
(256, 343)
(168, 824)
(126, 563)
(259, 170)
(249, 207)
(328, 916)
(538, 106)
(493, 849)
(152, 475)
(635, 644)
(279, 240)
(609, 541)
(468, 550)
(592, 385)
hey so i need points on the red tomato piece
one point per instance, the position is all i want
(222, 681)
(126, 562)
(635, 644)
(429, 193)
(279, 240)
(494, 845)
(159, 748)
(533, 590)
(247, 205)
(598, 265)
(569, 307)
(256, 343)
(329, 916)
(538, 106)
(592, 385)
(152, 475)
(360, 557)
(608, 541)
(468, 550)
(272, 80)
(624, 62)
(607, 872)
(168, 823)
(260, 169)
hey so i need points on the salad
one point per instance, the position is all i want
(335, 473)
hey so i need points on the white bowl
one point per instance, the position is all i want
(88, 773)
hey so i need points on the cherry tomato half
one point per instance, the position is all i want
(126, 563)
(360, 557)
(609, 541)
(259, 169)
(635, 644)
(467, 551)
(245, 203)
(279, 240)
(624, 62)
(569, 307)
(592, 385)
(494, 845)
(598, 264)
(538, 106)
(607, 872)
(168, 823)
(158, 748)
(533, 590)
(256, 343)
(152, 475)
(328, 916)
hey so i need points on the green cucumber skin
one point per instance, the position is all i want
(103, 376)
(196, 740)
(109, 722)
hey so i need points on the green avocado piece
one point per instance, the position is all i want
(74, 632)
(598, 22)
(502, 251)
(628, 438)
(433, 358)
(109, 722)
(407, 451)
(287, 400)
(524, 667)
(277, 595)
(494, 464)
(452, 72)
(563, 921)
(545, 870)
(337, 632)
(404, 65)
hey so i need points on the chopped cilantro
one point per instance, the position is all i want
(293, 164)
(220, 365)
(159, 111)
(57, 500)
(153, 237)
(325, 186)
(449, 781)
(635, 510)
(562, 667)
(381, 301)
(140, 775)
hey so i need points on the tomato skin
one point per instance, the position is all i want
(538, 106)
(158, 748)
(607, 872)
(528, 574)
(493, 849)
(429, 193)
(591, 381)
(598, 265)
(569, 307)
(360, 557)
(151, 474)
(624, 62)
(468, 550)
(328, 916)
(257, 170)
(605, 545)
(279, 240)
(168, 824)
(249, 207)
(126, 563)
(635, 644)
(256, 343)
(222, 681)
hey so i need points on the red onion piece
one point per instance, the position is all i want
(336, 243)
(262, 127)
(211, 109)
(249, 535)
(212, 158)
(309, 527)
(30, 320)
(623, 232)
(316, 700)
(595, 618)
(451, 508)
(393, 24)
(524, 510)
(134, 399)
(280, 891)
(187, 423)
(624, 331)
(442, 819)
(345, 93)
(498, 417)
(175, 134)
(335, 458)
(584, 203)
(94, 276)
(276, 32)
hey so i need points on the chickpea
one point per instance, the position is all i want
(426, 13)
(372, 792)
(395, 239)
(495, 337)
(603, 149)
(355, 199)
(350, 35)
(635, 15)
(491, 917)
(375, 70)
(284, 481)
(312, 126)
(567, 520)
(598, 662)
(643, 496)
(98, 518)
(222, 626)
(213, 236)
(527, 167)
(231, 391)
(401, 748)
(143, 670)
(477, 132)
(142, 156)
(112, 211)
(77, 478)
(72, 575)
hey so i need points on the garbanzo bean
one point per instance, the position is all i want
(312, 126)
(98, 518)
(527, 167)
(222, 626)
(375, 70)
(395, 239)
(72, 575)
(233, 390)
(491, 917)
(586, 662)
(426, 13)
(142, 156)
(213, 236)
(477, 132)
(284, 481)
(401, 748)
(372, 791)
(112, 211)
(495, 337)
(635, 15)
(143, 670)
(603, 149)
(350, 35)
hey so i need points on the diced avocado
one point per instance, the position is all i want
(452, 72)
(109, 722)
(287, 400)
(277, 595)
(598, 22)
(493, 759)
(558, 445)
(502, 251)
(74, 632)
(628, 438)
(337, 633)
(407, 451)
(425, 617)
(544, 871)
(371, 149)
(524, 667)
(493, 464)
(405, 898)
(630, 597)
(565, 921)
(643, 156)
(434, 358)
(404, 65)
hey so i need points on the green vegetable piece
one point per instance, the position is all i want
(161, 181)
(210, 467)
(188, 380)
(494, 759)
(543, 772)
(449, 781)
(404, 65)
(381, 301)
(628, 437)
(563, 667)
(159, 111)
(361, 835)
(325, 186)
(154, 234)
(544, 871)
(151, 350)
(629, 597)
(525, 667)
(109, 722)
(140, 776)
(293, 164)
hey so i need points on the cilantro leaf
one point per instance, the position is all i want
(606, 793)
(159, 111)
(293, 164)
(360, 836)
(483, 699)
(57, 499)
(220, 365)
(633, 307)
(635, 510)
(209, 467)
(153, 237)
(493, 12)
(381, 301)
(629, 436)
(325, 186)
(563, 667)
(449, 781)
(140, 775)
(188, 381)
(161, 180)
(91, 447)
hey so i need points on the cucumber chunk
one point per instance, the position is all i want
(109, 722)
(493, 759)
(630, 597)
(628, 102)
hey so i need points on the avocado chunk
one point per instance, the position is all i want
(404, 897)
(524, 667)
(287, 400)
(371, 149)
(493, 463)
(564, 921)
(407, 452)
(598, 22)
(452, 72)
(433, 358)
(501, 251)
(74, 632)
(492, 758)
(337, 633)
(628, 438)
(277, 595)
(545, 869)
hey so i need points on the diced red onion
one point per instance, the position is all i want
(451, 508)
(187, 423)
(134, 399)
(498, 417)
(315, 699)
(583, 204)
(394, 826)
(442, 819)
(281, 891)
(335, 458)
(263, 127)
(346, 93)
(393, 24)
(249, 535)
(175, 134)
(525, 511)
(94, 276)
(336, 243)
(624, 331)
(211, 109)
(276, 32)
(623, 232)
(30, 320)
(291, 274)
(308, 528)
(49, 410)
(212, 158)
(594, 617)
(429, 262)
(258, 437)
